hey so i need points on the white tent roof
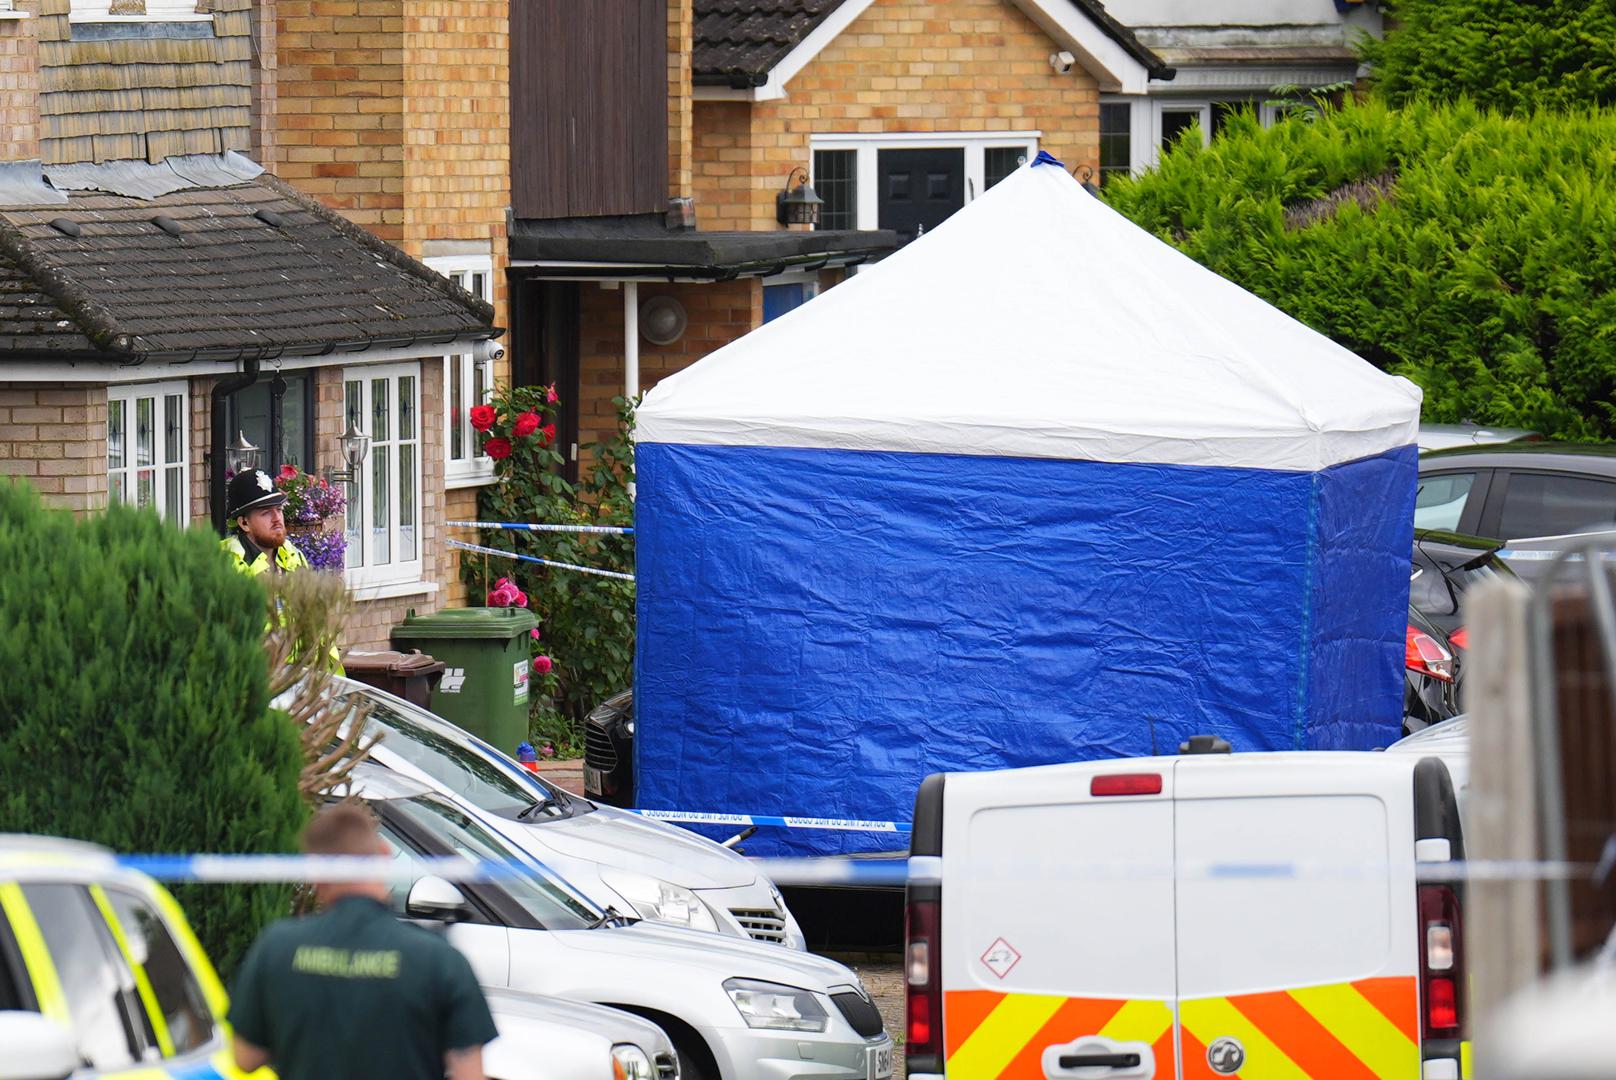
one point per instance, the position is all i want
(1038, 322)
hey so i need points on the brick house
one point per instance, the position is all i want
(396, 114)
(1230, 54)
(899, 111)
(147, 264)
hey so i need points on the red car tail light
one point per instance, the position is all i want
(1426, 655)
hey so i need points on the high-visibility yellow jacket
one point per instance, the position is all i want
(287, 557)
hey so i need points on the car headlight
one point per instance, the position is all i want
(661, 901)
(629, 1062)
(779, 1008)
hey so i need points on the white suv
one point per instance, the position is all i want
(735, 1009)
(617, 859)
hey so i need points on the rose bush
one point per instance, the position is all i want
(588, 621)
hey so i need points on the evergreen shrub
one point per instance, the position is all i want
(1467, 250)
(1510, 55)
(134, 702)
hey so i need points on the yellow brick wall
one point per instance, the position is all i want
(718, 313)
(339, 92)
(903, 65)
(681, 30)
(55, 439)
(19, 87)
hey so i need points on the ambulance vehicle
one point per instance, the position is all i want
(1206, 916)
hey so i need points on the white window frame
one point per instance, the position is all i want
(868, 145)
(368, 574)
(1144, 139)
(477, 468)
(157, 11)
(127, 396)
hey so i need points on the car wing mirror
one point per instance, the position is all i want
(432, 897)
(37, 1048)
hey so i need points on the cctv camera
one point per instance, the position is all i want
(488, 350)
(1062, 62)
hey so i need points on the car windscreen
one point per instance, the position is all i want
(549, 904)
(457, 767)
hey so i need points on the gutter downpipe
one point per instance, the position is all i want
(221, 436)
(631, 339)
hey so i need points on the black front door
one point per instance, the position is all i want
(920, 189)
(544, 352)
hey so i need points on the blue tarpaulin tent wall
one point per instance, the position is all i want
(1037, 488)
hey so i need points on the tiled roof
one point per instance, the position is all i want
(299, 279)
(740, 40)
(30, 320)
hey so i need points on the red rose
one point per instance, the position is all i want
(483, 417)
(543, 664)
(288, 472)
(549, 434)
(498, 449)
(526, 424)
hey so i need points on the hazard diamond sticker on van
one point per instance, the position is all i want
(1001, 957)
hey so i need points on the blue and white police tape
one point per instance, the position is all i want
(688, 817)
(517, 526)
(895, 870)
(463, 546)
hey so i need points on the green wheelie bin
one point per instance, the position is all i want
(487, 654)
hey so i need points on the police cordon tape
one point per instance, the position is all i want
(686, 817)
(893, 872)
(463, 546)
(517, 526)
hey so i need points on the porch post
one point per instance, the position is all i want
(631, 339)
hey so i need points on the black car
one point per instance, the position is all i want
(609, 750)
(1446, 566)
(1515, 491)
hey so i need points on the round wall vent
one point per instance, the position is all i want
(662, 320)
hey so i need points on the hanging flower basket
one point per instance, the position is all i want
(314, 510)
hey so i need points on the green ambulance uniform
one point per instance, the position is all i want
(354, 993)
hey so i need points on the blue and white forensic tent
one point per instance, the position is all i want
(1036, 488)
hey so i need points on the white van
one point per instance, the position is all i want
(1196, 917)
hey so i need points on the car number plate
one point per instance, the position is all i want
(594, 780)
(880, 1062)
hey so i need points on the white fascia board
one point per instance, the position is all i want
(57, 371)
(774, 88)
(1109, 63)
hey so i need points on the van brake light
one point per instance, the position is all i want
(1441, 962)
(1126, 784)
(923, 981)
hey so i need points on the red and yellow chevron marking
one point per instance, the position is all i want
(993, 1036)
(1367, 1030)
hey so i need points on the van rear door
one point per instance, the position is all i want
(1297, 955)
(1057, 941)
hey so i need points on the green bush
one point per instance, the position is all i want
(1511, 55)
(586, 621)
(1467, 250)
(135, 702)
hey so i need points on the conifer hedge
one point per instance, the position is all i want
(1467, 250)
(133, 692)
(1511, 55)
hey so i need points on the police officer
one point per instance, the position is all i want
(259, 544)
(352, 992)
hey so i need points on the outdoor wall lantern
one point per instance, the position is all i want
(799, 205)
(355, 445)
(240, 455)
(663, 320)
